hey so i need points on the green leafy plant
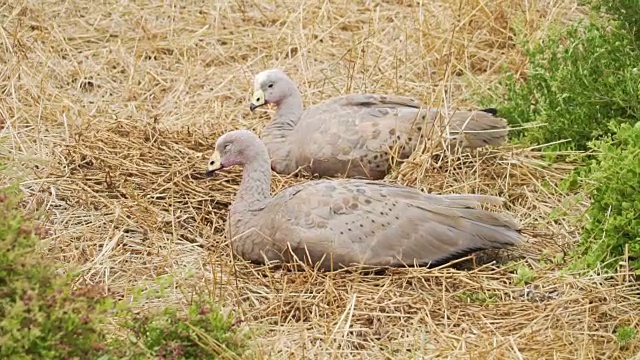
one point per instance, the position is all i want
(626, 12)
(478, 297)
(612, 180)
(40, 316)
(203, 331)
(524, 275)
(624, 334)
(578, 81)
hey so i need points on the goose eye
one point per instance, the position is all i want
(270, 85)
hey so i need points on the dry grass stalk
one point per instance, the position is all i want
(107, 108)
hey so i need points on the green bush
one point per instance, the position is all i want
(40, 317)
(626, 12)
(203, 332)
(579, 81)
(583, 82)
(612, 181)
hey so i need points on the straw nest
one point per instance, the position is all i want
(109, 108)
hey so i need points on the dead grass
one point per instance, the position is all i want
(108, 107)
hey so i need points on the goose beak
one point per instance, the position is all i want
(214, 164)
(257, 100)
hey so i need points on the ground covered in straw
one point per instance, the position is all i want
(109, 108)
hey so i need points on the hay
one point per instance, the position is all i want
(109, 108)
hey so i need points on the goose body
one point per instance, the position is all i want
(355, 135)
(336, 223)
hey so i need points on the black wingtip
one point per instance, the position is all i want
(464, 253)
(492, 111)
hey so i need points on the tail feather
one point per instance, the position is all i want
(475, 230)
(476, 129)
(451, 207)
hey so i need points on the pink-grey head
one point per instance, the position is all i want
(270, 87)
(238, 147)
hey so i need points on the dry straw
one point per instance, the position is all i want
(108, 108)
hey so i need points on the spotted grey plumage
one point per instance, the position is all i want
(342, 222)
(354, 135)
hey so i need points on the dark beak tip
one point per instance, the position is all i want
(201, 175)
(252, 107)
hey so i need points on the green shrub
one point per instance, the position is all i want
(203, 332)
(612, 181)
(579, 81)
(40, 317)
(626, 12)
